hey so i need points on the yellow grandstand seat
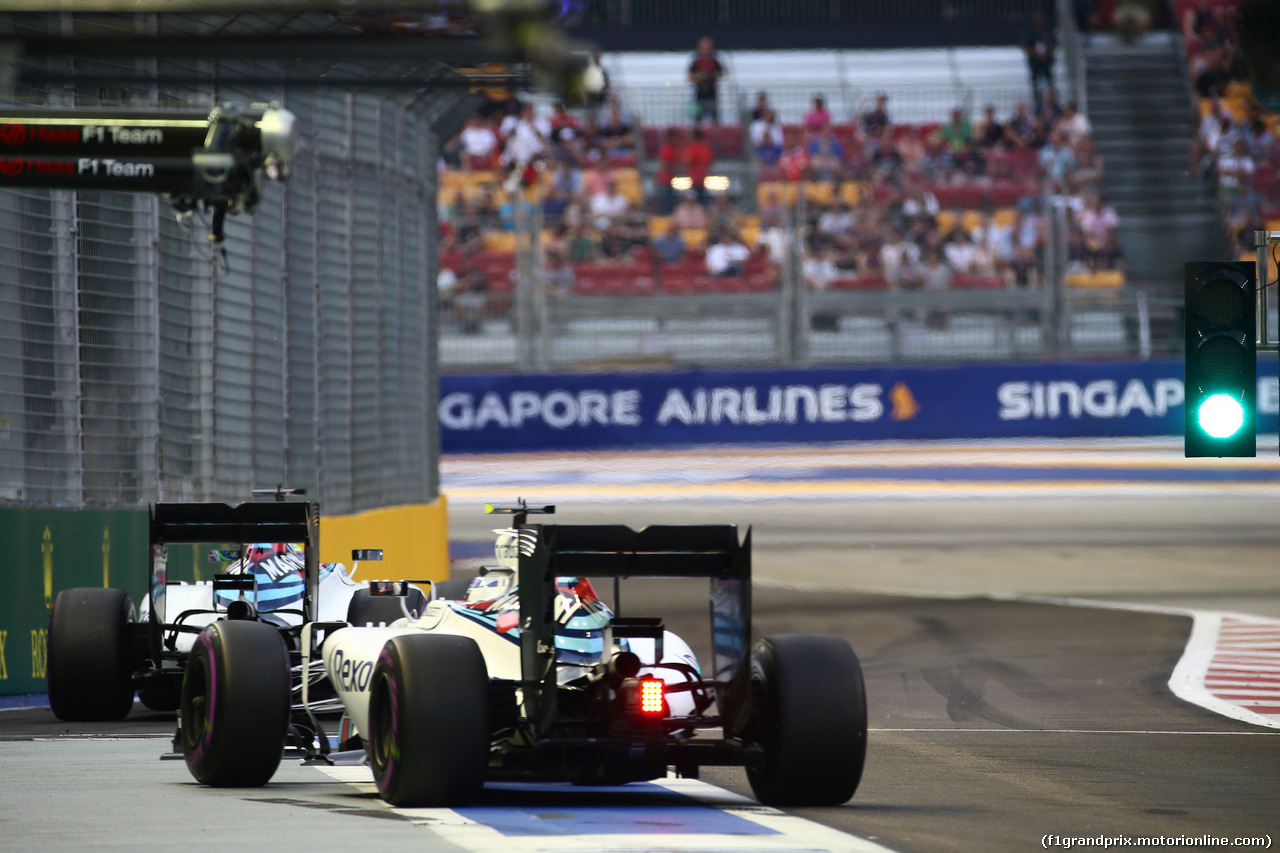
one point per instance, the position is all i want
(1099, 280)
(1005, 216)
(500, 241)
(749, 234)
(819, 192)
(694, 238)
(776, 192)
(853, 192)
(658, 225)
(945, 220)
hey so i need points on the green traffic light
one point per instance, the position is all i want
(1221, 415)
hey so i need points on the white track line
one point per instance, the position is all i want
(792, 834)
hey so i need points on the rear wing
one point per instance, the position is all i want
(713, 551)
(262, 521)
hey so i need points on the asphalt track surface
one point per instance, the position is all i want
(999, 715)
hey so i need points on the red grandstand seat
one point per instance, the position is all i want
(730, 284)
(651, 138)
(869, 282)
(676, 279)
(451, 260)
(727, 141)
(1005, 193)
(1264, 182)
(623, 160)
(1025, 161)
(761, 282)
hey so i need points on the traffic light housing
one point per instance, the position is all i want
(1220, 358)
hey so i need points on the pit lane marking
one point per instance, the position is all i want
(779, 831)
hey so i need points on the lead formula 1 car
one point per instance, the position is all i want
(531, 676)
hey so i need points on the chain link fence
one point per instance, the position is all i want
(139, 361)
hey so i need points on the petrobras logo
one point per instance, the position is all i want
(1108, 398)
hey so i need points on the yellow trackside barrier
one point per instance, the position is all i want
(414, 540)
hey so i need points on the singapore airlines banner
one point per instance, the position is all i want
(585, 411)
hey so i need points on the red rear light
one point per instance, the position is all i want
(651, 702)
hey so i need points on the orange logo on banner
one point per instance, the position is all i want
(904, 402)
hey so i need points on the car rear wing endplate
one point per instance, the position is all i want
(712, 551)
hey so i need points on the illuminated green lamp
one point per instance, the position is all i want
(1221, 415)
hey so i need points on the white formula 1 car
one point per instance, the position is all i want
(529, 675)
(101, 653)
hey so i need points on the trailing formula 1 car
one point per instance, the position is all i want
(102, 651)
(531, 676)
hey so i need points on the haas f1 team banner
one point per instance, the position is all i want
(585, 411)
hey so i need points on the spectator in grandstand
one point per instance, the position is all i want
(1201, 21)
(479, 144)
(670, 164)
(596, 179)
(819, 268)
(958, 134)
(1235, 176)
(1214, 133)
(1258, 140)
(615, 244)
(1028, 240)
(1057, 162)
(1040, 44)
(617, 130)
(527, 139)
(762, 105)
(669, 247)
(582, 248)
(959, 251)
(898, 256)
(698, 158)
(876, 119)
(1087, 17)
(557, 276)
(608, 207)
(689, 214)
(1088, 169)
(728, 257)
(705, 72)
(722, 214)
(1214, 75)
(553, 204)
(996, 238)
(1097, 221)
(817, 118)
(556, 241)
(1021, 131)
(766, 136)
(772, 237)
(826, 157)
(1050, 110)
(566, 177)
(469, 296)
(1074, 124)
(469, 228)
(919, 202)
(563, 126)
(446, 282)
(989, 132)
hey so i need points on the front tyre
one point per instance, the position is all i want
(429, 730)
(809, 716)
(235, 704)
(90, 666)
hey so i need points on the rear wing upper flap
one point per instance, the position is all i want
(614, 550)
(263, 521)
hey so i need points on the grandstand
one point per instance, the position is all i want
(836, 210)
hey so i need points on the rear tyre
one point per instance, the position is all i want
(809, 715)
(235, 704)
(429, 730)
(90, 666)
(366, 609)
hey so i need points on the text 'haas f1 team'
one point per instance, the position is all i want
(531, 676)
